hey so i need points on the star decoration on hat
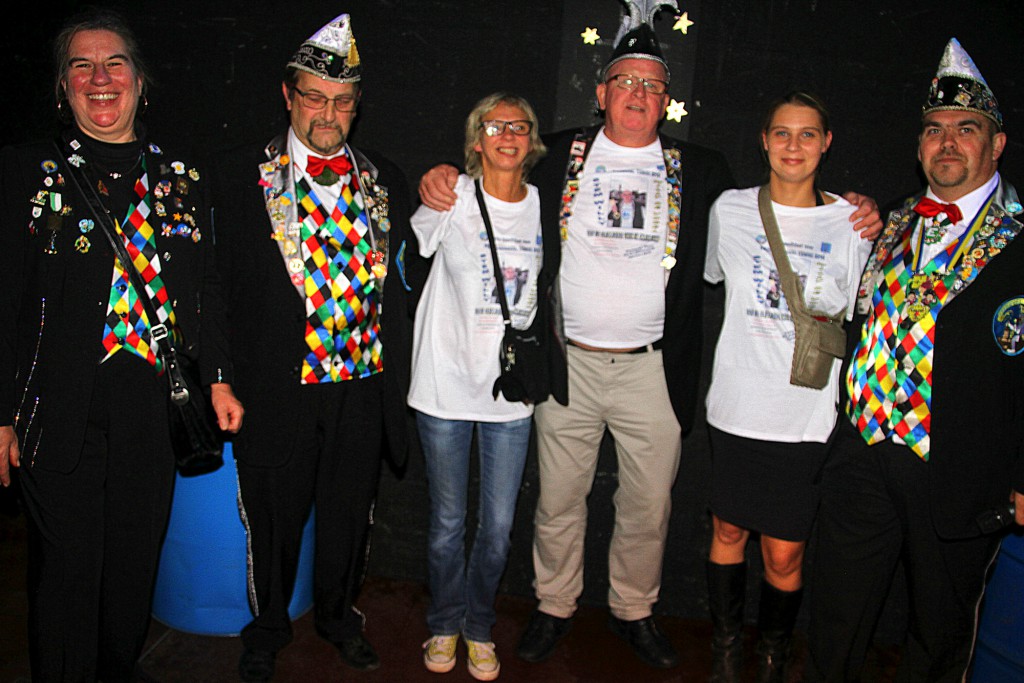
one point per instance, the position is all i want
(683, 23)
(675, 111)
(590, 36)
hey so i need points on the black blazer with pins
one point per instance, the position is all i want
(54, 296)
(267, 316)
(977, 410)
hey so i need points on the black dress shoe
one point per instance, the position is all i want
(541, 635)
(649, 644)
(256, 666)
(358, 653)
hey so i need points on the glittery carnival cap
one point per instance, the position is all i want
(330, 53)
(636, 39)
(958, 85)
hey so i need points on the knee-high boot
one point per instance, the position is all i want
(727, 587)
(775, 620)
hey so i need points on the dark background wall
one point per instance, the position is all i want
(218, 67)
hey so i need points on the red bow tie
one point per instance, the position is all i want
(339, 164)
(929, 208)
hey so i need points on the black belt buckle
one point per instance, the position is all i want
(647, 348)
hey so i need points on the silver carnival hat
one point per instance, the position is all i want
(958, 85)
(330, 53)
(636, 38)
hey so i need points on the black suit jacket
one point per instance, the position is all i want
(267, 316)
(53, 297)
(977, 411)
(705, 175)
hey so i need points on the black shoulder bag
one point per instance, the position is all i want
(522, 357)
(197, 443)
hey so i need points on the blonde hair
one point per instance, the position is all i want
(474, 168)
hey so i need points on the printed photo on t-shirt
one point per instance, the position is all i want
(773, 296)
(515, 280)
(626, 208)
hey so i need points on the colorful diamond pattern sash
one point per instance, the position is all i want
(342, 324)
(127, 326)
(890, 376)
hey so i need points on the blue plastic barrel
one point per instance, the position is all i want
(201, 581)
(999, 656)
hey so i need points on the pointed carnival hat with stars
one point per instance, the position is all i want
(959, 86)
(636, 38)
(330, 53)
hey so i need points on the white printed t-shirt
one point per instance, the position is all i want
(458, 328)
(611, 279)
(750, 394)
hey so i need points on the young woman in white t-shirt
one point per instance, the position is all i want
(458, 330)
(768, 436)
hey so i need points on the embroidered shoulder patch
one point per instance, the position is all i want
(1008, 326)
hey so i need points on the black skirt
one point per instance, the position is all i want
(765, 486)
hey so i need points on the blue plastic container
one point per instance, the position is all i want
(999, 657)
(201, 580)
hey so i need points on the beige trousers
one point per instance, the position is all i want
(627, 394)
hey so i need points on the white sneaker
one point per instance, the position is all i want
(483, 663)
(439, 653)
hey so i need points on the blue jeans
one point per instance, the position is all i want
(462, 595)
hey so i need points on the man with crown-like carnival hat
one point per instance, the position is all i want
(312, 241)
(644, 338)
(927, 463)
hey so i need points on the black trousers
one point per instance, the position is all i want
(94, 534)
(335, 466)
(875, 513)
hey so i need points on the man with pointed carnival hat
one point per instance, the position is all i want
(312, 240)
(927, 463)
(644, 337)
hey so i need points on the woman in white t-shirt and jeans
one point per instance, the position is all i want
(458, 330)
(768, 436)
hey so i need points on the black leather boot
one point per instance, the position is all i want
(775, 619)
(727, 588)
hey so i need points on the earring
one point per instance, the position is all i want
(64, 115)
(143, 106)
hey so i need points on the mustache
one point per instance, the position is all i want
(322, 123)
(947, 156)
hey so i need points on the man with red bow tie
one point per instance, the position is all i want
(312, 240)
(927, 467)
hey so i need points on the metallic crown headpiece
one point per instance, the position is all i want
(636, 38)
(330, 53)
(959, 86)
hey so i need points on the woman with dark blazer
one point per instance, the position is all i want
(83, 396)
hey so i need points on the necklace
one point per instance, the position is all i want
(118, 174)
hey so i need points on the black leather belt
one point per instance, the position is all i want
(647, 348)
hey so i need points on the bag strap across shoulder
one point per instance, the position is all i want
(498, 280)
(157, 330)
(790, 282)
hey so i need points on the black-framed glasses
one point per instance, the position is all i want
(651, 86)
(315, 100)
(494, 128)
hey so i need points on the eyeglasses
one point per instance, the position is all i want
(652, 86)
(314, 100)
(495, 128)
